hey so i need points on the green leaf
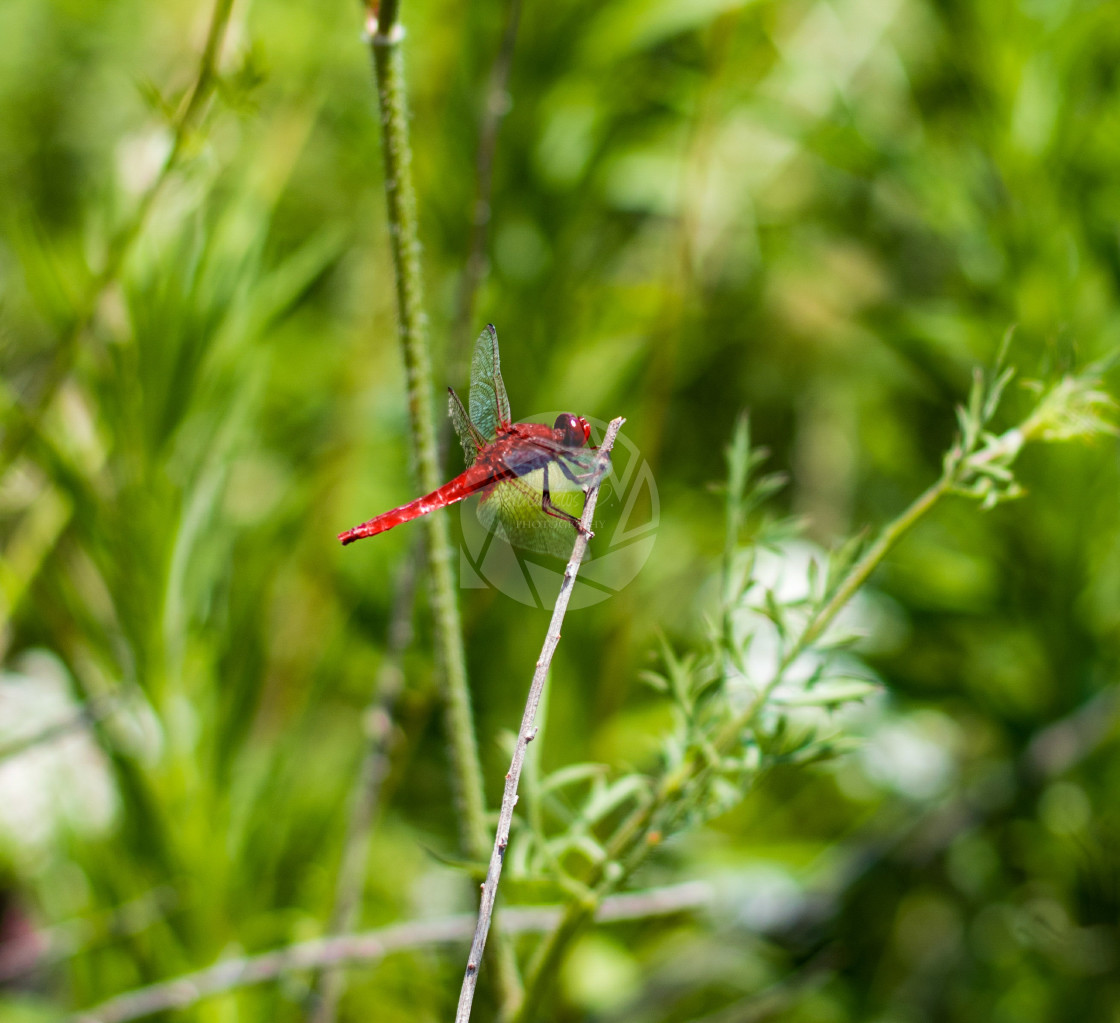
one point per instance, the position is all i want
(633, 787)
(572, 774)
(830, 693)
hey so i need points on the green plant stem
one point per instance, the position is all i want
(625, 852)
(631, 835)
(546, 961)
(185, 121)
(494, 107)
(404, 237)
(121, 243)
(636, 836)
(365, 794)
(466, 772)
(862, 569)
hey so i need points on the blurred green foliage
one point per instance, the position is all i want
(825, 212)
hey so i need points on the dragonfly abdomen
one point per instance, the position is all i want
(462, 486)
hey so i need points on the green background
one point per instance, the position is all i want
(824, 212)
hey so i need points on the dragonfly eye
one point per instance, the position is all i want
(575, 430)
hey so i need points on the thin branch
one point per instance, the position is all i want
(366, 794)
(242, 972)
(121, 244)
(643, 821)
(524, 737)
(1054, 750)
(494, 108)
(188, 116)
(385, 36)
(1067, 742)
(959, 465)
(84, 716)
(371, 946)
(772, 1001)
(920, 838)
(858, 574)
(33, 951)
(542, 970)
(674, 898)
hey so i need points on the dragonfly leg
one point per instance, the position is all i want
(571, 475)
(550, 509)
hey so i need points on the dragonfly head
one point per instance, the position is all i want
(573, 430)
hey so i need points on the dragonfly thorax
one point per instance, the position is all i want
(574, 430)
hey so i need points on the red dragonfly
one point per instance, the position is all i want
(521, 469)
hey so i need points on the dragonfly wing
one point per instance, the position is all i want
(581, 467)
(469, 436)
(512, 510)
(489, 404)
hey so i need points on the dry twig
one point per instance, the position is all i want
(524, 737)
(366, 793)
(371, 946)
